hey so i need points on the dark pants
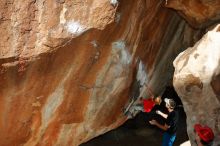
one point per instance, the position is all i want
(168, 139)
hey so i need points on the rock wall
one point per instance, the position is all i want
(198, 13)
(67, 66)
(196, 79)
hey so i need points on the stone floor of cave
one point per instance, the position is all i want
(138, 131)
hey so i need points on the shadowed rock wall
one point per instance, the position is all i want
(67, 66)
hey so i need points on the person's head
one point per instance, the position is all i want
(170, 103)
(157, 100)
(204, 134)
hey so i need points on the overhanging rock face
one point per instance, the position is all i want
(200, 13)
(34, 27)
(196, 79)
(67, 65)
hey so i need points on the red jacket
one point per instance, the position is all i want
(148, 104)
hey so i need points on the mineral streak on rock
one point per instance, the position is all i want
(67, 66)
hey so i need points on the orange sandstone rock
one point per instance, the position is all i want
(67, 66)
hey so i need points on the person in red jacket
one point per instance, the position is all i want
(204, 135)
(139, 103)
(144, 105)
(148, 104)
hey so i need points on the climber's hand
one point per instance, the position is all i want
(153, 122)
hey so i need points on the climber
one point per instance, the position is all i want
(170, 126)
(204, 135)
(146, 105)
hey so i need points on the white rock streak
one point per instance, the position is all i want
(62, 15)
(114, 2)
(75, 28)
(141, 74)
(125, 57)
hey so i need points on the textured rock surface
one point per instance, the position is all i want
(67, 66)
(197, 81)
(199, 13)
(33, 27)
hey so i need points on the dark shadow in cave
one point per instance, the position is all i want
(138, 131)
